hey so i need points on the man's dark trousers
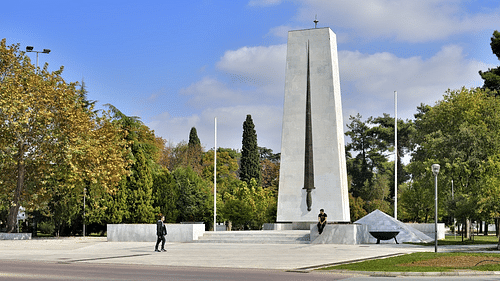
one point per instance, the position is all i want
(162, 239)
(321, 226)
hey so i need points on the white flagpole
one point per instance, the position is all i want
(395, 155)
(215, 175)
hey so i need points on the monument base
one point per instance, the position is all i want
(349, 234)
(287, 226)
(147, 232)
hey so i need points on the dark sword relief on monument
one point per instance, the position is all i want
(308, 155)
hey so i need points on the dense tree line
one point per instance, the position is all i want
(56, 148)
(460, 132)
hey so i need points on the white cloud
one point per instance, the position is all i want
(369, 81)
(264, 2)
(267, 121)
(211, 92)
(408, 21)
(257, 66)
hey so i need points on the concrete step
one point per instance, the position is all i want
(257, 237)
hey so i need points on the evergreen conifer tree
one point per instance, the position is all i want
(492, 76)
(250, 162)
(194, 152)
(193, 138)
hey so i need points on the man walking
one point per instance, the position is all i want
(161, 231)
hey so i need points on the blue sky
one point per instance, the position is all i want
(178, 64)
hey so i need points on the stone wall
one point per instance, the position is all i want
(147, 232)
(15, 236)
(349, 234)
(428, 229)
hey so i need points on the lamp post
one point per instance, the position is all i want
(435, 171)
(30, 49)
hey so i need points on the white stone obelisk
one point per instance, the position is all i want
(315, 49)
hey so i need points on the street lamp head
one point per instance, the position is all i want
(46, 51)
(29, 48)
(435, 169)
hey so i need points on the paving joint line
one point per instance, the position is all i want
(104, 258)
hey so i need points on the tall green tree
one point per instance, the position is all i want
(195, 151)
(194, 202)
(368, 156)
(248, 207)
(462, 134)
(384, 132)
(193, 138)
(492, 76)
(49, 139)
(249, 164)
(143, 154)
(166, 195)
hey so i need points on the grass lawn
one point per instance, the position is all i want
(434, 262)
(427, 262)
(451, 240)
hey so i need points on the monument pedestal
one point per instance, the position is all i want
(287, 226)
(349, 234)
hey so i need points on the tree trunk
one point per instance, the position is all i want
(462, 231)
(467, 228)
(14, 209)
(485, 228)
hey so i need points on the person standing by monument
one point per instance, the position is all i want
(161, 231)
(321, 220)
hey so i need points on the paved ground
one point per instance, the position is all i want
(251, 256)
(97, 259)
(30, 271)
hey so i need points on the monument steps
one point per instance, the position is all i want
(257, 237)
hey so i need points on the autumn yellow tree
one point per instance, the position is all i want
(49, 138)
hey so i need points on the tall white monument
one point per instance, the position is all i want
(313, 172)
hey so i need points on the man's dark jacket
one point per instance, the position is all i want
(161, 229)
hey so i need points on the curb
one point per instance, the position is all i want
(396, 274)
(314, 267)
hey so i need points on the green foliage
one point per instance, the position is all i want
(46, 227)
(416, 201)
(137, 186)
(268, 154)
(227, 167)
(140, 191)
(166, 195)
(194, 202)
(248, 207)
(193, 138)
(405, 263)
(55, 148)
(492, 76)
(461, 133)
(371, 175)
(369, 154)
(356, 207)
(52, 143)
(249, 164)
